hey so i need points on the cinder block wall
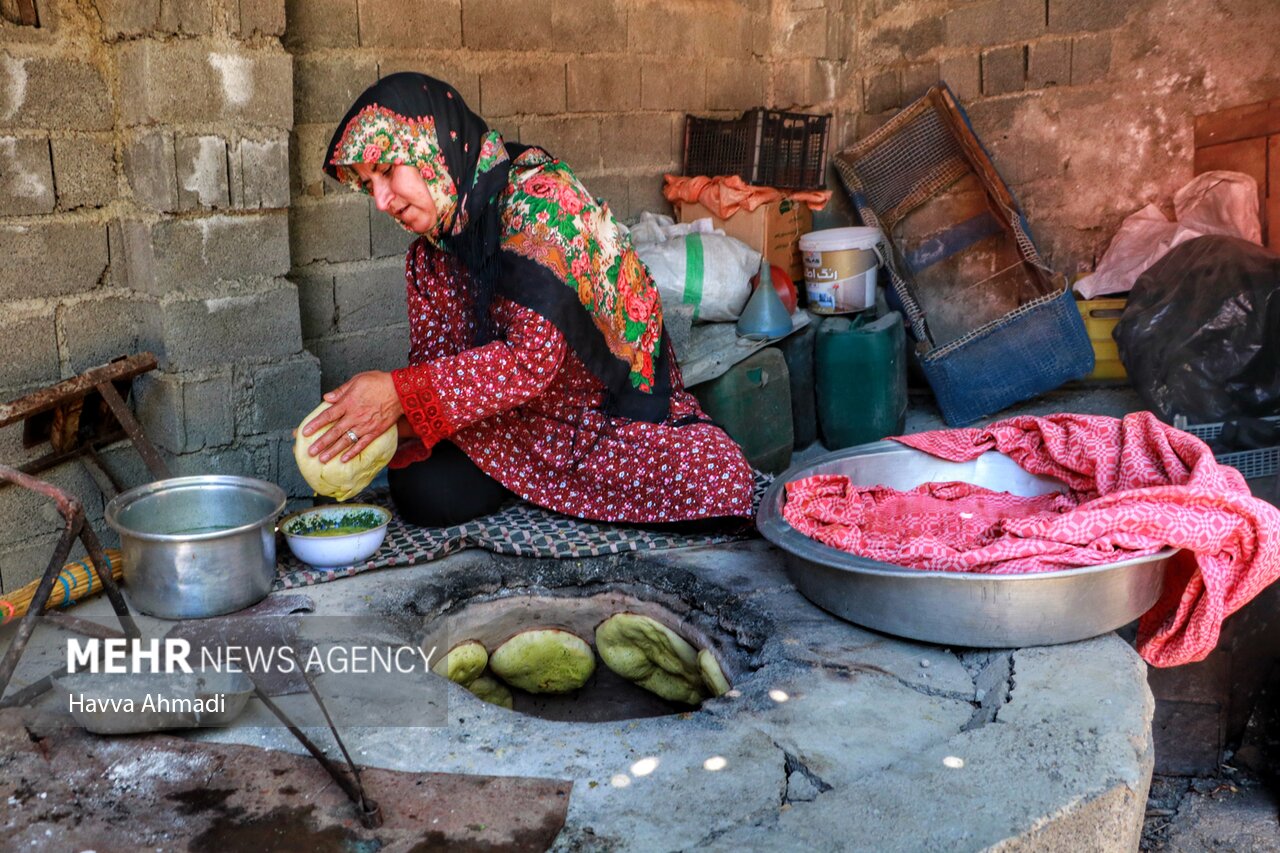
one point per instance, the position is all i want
(1086, 106)
(603, 84)
(144, 201)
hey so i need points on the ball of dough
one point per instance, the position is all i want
(463, 663)
(712, 675)
(335, 478)
(492, 691)
(649, 653)
(544, 660)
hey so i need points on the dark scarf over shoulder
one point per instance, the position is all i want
(524, 227)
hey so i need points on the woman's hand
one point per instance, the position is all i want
(366, 404)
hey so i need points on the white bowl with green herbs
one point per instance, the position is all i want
(336, 534)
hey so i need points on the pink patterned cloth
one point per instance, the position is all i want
(1135, 486)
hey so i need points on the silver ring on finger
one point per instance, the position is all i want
(353, 437)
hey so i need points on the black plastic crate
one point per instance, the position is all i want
(769, 148)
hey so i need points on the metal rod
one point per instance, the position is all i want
(370, 812)
(49, 460)
(143, 444)
(47, 398)
(102, 567)
(82, 626)
(332, 769)
(40, 599)
(30, 692)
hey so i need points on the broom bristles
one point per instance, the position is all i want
(76, 581)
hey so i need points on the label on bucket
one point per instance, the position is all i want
(839, 282)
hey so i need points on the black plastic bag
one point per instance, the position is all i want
(1200, 335)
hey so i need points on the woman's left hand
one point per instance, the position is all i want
(366, 404)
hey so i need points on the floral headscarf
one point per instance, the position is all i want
(533, 234)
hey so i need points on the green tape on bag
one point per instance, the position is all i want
(693, 272)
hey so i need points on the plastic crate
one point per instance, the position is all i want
(1253, 464)
(769, 148)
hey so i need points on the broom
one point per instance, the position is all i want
(77, 580)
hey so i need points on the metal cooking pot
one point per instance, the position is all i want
(955, 608)
(197, 546)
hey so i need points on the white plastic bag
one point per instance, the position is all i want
(1217, 202)
(711, 272)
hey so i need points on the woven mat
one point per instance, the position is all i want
(519, 529)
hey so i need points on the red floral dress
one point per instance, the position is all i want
(527, 411)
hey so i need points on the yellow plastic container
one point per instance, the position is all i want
(1100, 318)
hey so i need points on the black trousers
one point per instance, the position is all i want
(446, 489)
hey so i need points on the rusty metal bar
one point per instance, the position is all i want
(75, 519)
(140, 441)
(101, 567)
(27, 14)
(77, 386)
(49, 460)
(36, 688)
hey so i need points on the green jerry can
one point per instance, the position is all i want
(752, 403)
(860, 379)
(797, 348)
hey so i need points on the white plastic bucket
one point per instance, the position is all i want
(840, 269)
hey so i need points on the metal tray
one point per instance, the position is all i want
(955, 608)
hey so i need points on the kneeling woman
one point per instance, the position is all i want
(538, 364)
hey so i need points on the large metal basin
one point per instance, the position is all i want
(197, 546)
(955, 608)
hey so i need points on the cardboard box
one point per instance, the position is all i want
(772, 229)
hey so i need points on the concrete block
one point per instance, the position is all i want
(307, 150)
(79, 247)
(26, 176)
(261, 17)
(612, 189)
(287, 475)
(246, 323)
(25, 514)
(84, 168)
(186, 17)
(53, 94)
(963, 74)
(315, 301)
(202, 172)
(127, 17)
(918, 79)
(326, 88)
(24, 561)
(389, 239)
(370, 296)
(418, 25)
(883, 92)
(505, 25)
(890, 43)
(1090, 59)
(185, 412)
(28, 349)
(1074, 16)
(101, 327)
(523, 88)
(1004, 69)
(734, 85)
(1049, 63)
(343, 356)
(666, 30)
(801, 33)
(184, 82)
(314, 24)
(995, 22)
(602, 24)
(637, 139)
(275, 397)
(673, 86)
(575, 139)
(150, 165)
(448, 67)
(333, 229)
(644, 192)
(246, 459)
(602, 85)
(259, 173)
(191, 254)
(723, 30)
